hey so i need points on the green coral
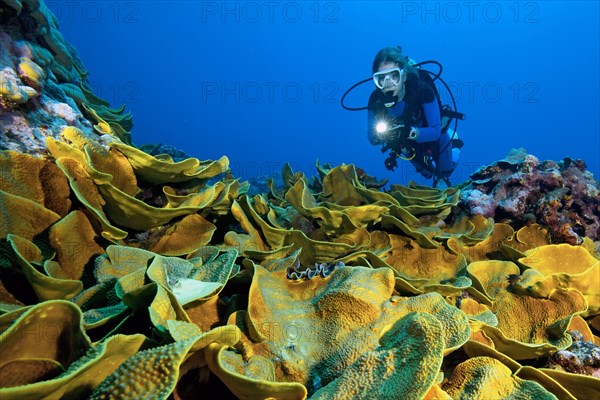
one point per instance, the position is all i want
(152, 270)
(405, 365)
(153, 373)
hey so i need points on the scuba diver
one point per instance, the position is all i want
(406, 117)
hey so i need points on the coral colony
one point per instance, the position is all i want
(126, 274)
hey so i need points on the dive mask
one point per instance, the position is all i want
(387, 78)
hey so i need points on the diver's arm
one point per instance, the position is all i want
(432, 131)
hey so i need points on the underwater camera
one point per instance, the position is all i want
(391, 162)
(388, 128)
(396, 140)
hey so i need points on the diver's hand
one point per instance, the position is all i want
(413, 133)
(396, 128)
(393, 137)
(387, 131)
(395, 132)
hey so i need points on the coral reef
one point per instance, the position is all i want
(323, 270)
(583, 357)
(43, 84)
(126, 274)
(155, 149)
(520, 189)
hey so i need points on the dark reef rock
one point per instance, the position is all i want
(158, 148)
(520, 189)
(583, 357)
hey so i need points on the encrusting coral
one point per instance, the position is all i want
(43, 85)
(583, 357)
(563, 196)
(128, 273)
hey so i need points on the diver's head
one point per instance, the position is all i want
(390, 78)
(390, 71)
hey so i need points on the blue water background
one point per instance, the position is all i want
(261, 81)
